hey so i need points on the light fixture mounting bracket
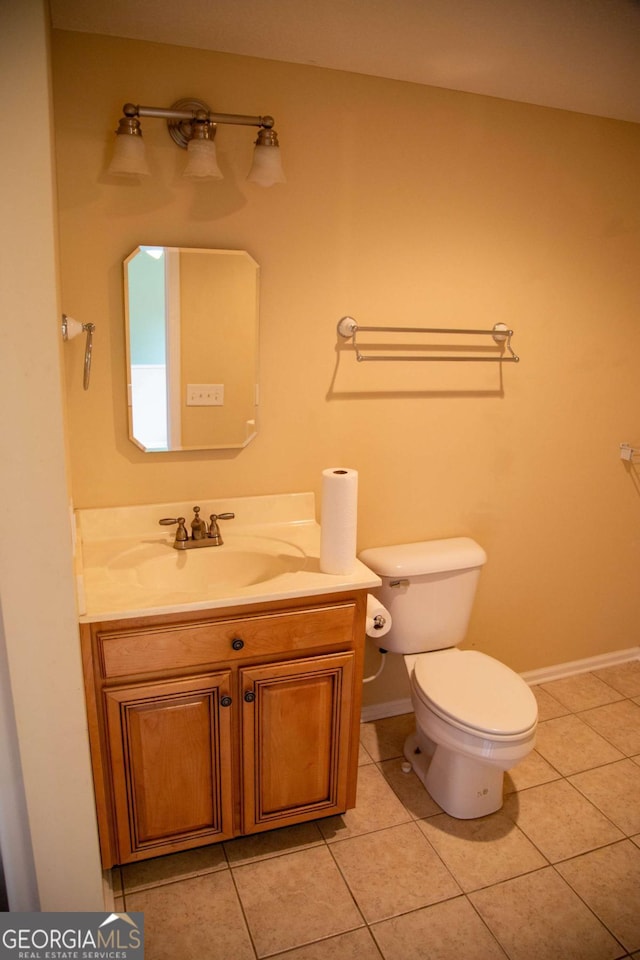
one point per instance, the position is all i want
(180, 130)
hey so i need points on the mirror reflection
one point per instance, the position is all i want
(192, 348)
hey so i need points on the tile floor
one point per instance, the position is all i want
(554, 875)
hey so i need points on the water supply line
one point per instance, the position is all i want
(383, 660)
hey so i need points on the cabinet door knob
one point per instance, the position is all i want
(249, 697)
(226, 702)
(237, 643)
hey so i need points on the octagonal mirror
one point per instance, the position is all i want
(192, 348)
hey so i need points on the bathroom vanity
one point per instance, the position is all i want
(218, 716)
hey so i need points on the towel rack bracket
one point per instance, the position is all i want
(347, 327)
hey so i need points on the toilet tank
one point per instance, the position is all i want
(428, 588)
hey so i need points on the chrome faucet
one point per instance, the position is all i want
(198, 526)
(201, 535)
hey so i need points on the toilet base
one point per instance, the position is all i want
(464, 787)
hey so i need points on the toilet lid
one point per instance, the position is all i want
(473, 690)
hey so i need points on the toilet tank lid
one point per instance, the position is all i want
(423, 557)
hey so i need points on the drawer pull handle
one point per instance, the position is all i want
(237, 644)
(226, 702)
(249, 697)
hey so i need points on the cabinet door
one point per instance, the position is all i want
(296, 726)
(170, 748)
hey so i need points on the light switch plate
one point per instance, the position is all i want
(205, 394)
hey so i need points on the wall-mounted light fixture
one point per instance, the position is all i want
(192, 125)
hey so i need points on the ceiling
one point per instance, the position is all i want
(581, 55)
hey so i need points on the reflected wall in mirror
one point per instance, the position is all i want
(192, 348)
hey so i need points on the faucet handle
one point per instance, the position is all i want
(214, 529)
(181, 532)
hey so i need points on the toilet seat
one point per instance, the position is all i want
(475, 693)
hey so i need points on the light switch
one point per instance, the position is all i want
(205, 394)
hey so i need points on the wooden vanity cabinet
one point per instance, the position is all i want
(214, 724)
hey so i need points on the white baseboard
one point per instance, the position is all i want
(394, 708)
(560, 670)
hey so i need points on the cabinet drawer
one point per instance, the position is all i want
(182, 646)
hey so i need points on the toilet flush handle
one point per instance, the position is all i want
(398, 583)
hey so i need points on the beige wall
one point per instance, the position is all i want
(404, 205)
(39, 620)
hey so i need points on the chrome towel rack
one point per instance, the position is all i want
(500, 333)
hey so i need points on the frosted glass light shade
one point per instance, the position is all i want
(201, 161)
(129, 157)
(266, 168)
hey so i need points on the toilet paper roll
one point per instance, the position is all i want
(378, 620)
(338, 520)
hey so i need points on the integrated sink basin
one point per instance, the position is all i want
(125, 567)
(241, 561)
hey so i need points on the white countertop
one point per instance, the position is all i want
(120, 549)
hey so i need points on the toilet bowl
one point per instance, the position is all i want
(475, 717)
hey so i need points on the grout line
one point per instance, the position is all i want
(583, 901)
(244, 915)
(595, 729)
(346, 883)
(169, 881)
(322, 840)
(485, 924)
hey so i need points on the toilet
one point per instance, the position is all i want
(475, 717)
